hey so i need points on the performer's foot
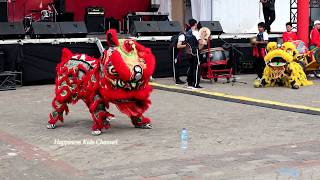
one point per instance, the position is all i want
(199, 87)
(106, 123)
(295, 87)
(96, 132)
(180, 82)
(141, 122)
(144, 126)
(51, 126)
(257, 83)
(311, 75)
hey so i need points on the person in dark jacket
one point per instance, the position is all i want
(269, 13)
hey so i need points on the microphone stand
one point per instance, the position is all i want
(13, 7)
(55, 12)
(234, 78)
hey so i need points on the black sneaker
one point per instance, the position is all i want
(180, 82)
(198, 87)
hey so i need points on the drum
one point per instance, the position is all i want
(301, 47)
(46, 15)
(316, 54)
(204, 33)
(216, 55)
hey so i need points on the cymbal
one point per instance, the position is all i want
(35, 10)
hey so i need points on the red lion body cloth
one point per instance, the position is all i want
(120, 77)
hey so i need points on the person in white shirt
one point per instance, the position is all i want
(177, 52)
(259, 49)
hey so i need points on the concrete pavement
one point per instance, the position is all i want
(227, 140)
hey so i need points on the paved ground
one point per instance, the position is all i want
(308, 96)
(227, 140)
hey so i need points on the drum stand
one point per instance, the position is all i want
(234, 78)
(55, 12)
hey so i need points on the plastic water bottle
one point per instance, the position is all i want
(184, 138)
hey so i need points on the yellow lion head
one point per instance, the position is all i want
(279, 56)
(282, 68)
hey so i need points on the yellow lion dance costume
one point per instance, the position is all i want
(282, 67)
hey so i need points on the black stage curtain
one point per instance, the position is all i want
(40, 60)
(12, 57)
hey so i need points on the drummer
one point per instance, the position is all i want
(195, 43)
(289, 35)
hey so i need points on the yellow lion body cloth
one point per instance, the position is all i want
(282, 67)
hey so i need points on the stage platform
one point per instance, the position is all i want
(37, 58)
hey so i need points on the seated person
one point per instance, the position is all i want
(289, 35)
(315, 35)
(315, 41)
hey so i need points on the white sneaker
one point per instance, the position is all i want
(258, 79)
(311, 75)
(191, 87)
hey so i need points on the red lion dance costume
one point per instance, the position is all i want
(120, 77)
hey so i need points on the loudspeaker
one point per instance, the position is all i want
(214, 26)
(3, 11)
(145, 28)
(94, 19)
(169, 28)
(45, 30)
(11, 30)
(244, 62)
(128, 22)
(73, 29)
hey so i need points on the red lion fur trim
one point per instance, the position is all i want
(94, 105)
(130, 109)
(151, 63)
(98, 121)
(62, 108)
(144, 120)
(139, 47)
(54, 120)
(66, 55)
(111, 36)
(120, 66)
(116, 94)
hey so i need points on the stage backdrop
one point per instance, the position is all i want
(240, 16)
(113, 8)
